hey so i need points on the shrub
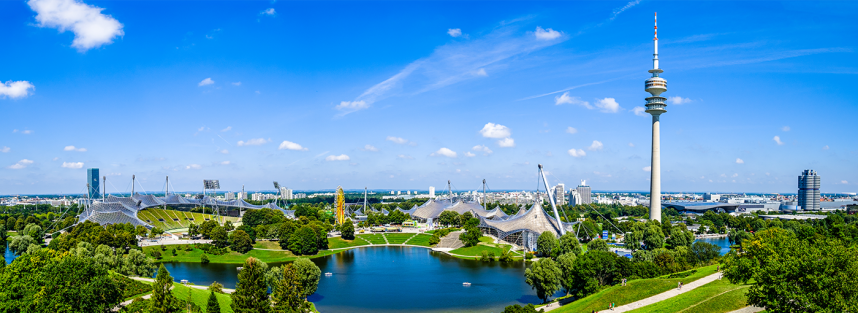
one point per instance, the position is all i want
(528, 256)
(173, 251)
(156, 255)
(204, 259)
(485, 257)
(505, 257)
(434, 240)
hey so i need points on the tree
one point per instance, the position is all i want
(251, 292)
(206, 228)
(704, 251)
(228, 226)
(51, 281)
(544, 277)
(287, 228)
(471, 236)
(20, 244)
(653, 237)
(155, 231)
(566, 263)
(162, 301)
(449, 218)
(793, 275)
(736, 237)
(515, 308)
(347, 231)
(592, 270)
(241, 242)
(308, 276)
(303, 241)
(680, 238)
(465, 218)
(35, 231)
(216, 287)
(212, 306)
(219, 237)
(545, 243)
(142, 231)
(598, 245)
(568, 243)
(288, 294)
(204, 259)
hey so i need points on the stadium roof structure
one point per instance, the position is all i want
(525, 227)
(120, 210)
(497, 214)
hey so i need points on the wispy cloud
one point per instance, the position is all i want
(444, 152)
(678, 100)
(777, 139)
(91, 28)
(73, 165)
(639, 111)
(492, 130)
(73, 148)
(454, 32)
(785, 128)
(405, 157)
(268, 12)
(288, 145)
(370, 148)
(207, 81)
(596, 146)
(228, 128)
(341, 157)
(608, 105)
(253, 142)
(571, 130)
(454, 63)
(566, 99)
(5, 149)
(506, 143)
(24, 132)
(193, 167)
(16, 89)
(21, 164)
(397, 140)
(577, 152)
(485, 150)
(739, 161)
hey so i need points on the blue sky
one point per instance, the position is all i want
(406, 95)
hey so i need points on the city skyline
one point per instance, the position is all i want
(251, 93)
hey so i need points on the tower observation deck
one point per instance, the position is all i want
(655, 106)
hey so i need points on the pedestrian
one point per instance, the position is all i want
(679, 286)
(613, 306)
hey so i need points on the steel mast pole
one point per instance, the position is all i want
(551, 200)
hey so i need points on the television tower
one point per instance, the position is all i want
(655, 105)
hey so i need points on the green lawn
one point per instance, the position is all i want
(232, 257)
(201, 297)
(397, 239)
(478, 250)
(337, 243)
(375, 239)
(633, 291)
(275, 245)
(487, 239)
(717, 296)
(420, 240)
(152, 215)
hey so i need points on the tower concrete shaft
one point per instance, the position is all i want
(656, 107)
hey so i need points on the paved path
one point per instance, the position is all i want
(656, 298)
(750, 309)
(225, 290)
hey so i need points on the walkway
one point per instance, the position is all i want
(656, 298)
(225, 290)
(750, 309)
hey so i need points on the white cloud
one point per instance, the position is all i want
(785, 128)
(341, 157)
(397, 140)
(254, 142)
(647, 169)
(91, 28)
(678, 100)
(608, 105)
(269, 12)
(566, 99)
(288, 145)
(492, 130)
(444, 152)
(5, 149)
(735, 175)
(844, 182)
(454, 32)
(224, 151)
(546, 34)
(207, 81)
(481, 72)
(21, 164)
(405, 157)
(571, 130)
(193, 167)
(640, 111)
(351, 106)
(483, 149)
(25, 132)
(778, 140)
(370, 148)
(825, 148)
(236, 84)
(73, 164)
(723, 175)
(225, 163)
(15, 90)
(506, 143)
(73, 148)
(740, 161)
(228, 128)
(631, 144)
(469, 154)
(596, 146)
(576, 153)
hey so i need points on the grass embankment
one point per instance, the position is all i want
(486, 244)
(173, 219)
(376, 239)
(634, 290)
(272, 245)
(200, 297)
(717, 296)
(397, 238)
(232, 257)
(420, 240)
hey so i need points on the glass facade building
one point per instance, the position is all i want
(94, 191)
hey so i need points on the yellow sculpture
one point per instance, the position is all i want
(341, 205)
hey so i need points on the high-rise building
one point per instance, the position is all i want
(655, 106)
(242, 195)
(287, 194)
(431, 192)
(583, 193)
(574, 198)
(94, 191)
(808, 190)
(560, 194)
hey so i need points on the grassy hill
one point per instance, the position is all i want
(173, 219)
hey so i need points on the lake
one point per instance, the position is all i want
(721, 242)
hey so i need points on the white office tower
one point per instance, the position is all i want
(392, 192)
(583, 193)
(574, 198)
(398, 192)
(560, 194)
(229, 196)
(285, 193)
(242, 195)
(655, 105)
(808, 190)
(431, 192)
